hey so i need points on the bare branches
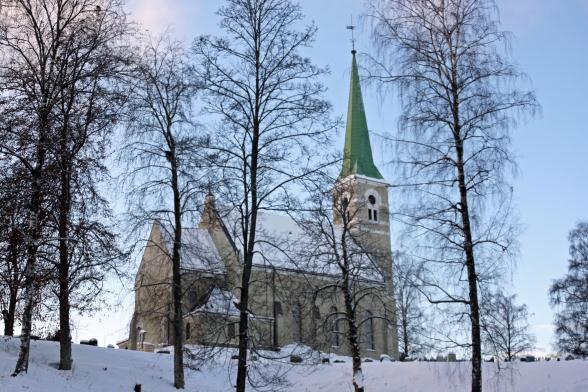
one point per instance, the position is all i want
(506, 326)
(266, 102)
(60, 63)
(339, 241)
(449, 62)
(569, 296)
(164, 171)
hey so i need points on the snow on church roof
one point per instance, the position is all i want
(282, 243)
(219, 302)
(198, 251)
(276, 238)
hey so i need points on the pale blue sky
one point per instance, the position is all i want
(551, 190)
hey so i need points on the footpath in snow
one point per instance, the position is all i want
(103, 369)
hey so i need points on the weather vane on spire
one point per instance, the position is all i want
(352, 28)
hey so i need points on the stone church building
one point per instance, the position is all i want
(286, 303)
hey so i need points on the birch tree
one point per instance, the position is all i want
(58, 57)
(569, 296)
(505, 326)
(29, 42)
(457, 87)
(12, 224)
(93, 56)
(410, 314)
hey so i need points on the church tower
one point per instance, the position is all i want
(362, 188)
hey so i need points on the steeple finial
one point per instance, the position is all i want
(352, 28)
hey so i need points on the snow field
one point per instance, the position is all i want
(99, 369)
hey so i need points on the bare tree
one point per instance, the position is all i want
(93, 54)
(569, 296)
(410, 314)
(12, 224)
(163, 158)
(459, 102)
(266, 100)
(505, 326)
(337, 243)
(29, 79)
(59, 59)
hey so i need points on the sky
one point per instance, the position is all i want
(551, 191)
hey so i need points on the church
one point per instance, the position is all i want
(286, 303)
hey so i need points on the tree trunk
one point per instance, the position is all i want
(405, 345)
(467, 229)
(179, 382)
(34, 234)
(243, 328)
(250, 236)
(14, 279)
(405, 337)
(245, 280)
(353, 338)
(471, 271)
(10, 313)
(65, 360)
(351, 315)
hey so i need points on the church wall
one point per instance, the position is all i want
(152, 291)
(294, 294)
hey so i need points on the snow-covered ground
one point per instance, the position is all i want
(103, 369)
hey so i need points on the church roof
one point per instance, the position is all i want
(219, 302)
(198, 251)
(277, 236)
(357, 153)
(282, 243)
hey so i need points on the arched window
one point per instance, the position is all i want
(372, 207)
(296, 322)
(368, 331)
(345, 208)
(335, 327)
(188, 331)
(231, 332)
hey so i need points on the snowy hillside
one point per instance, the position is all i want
(102, 369)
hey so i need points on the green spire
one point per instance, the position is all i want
(357, 154)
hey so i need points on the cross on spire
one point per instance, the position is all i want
(352, 28)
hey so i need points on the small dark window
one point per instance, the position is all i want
(297, 322)
(278, 308)
(345, 203)
(316, 313)
(369, 333)
(232, 333)
(372, 209)
(188, 331)
(335, 327)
